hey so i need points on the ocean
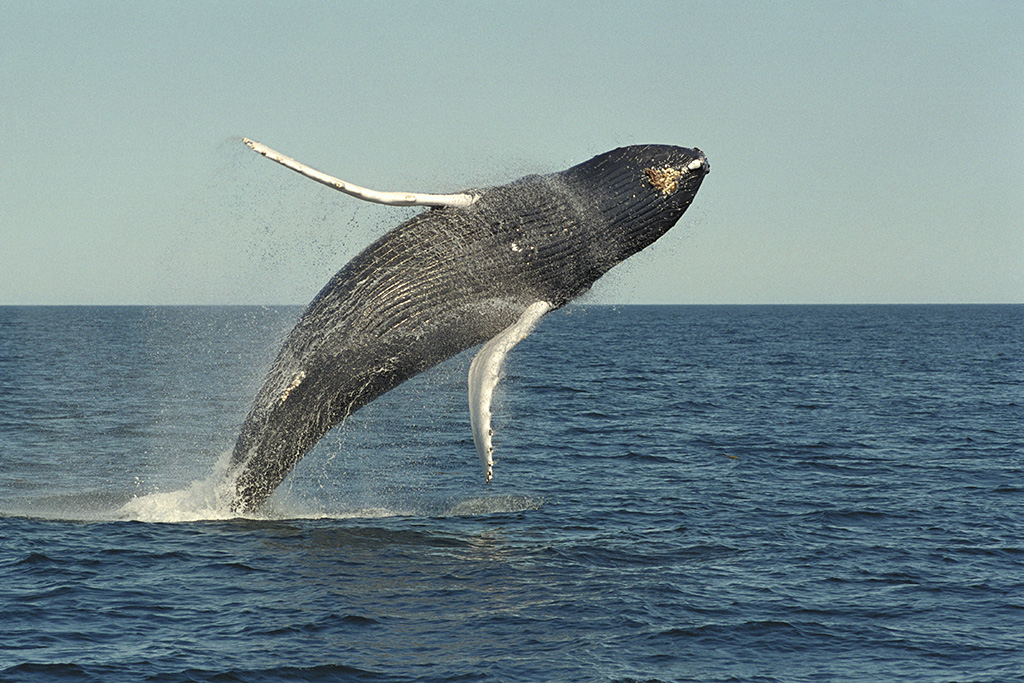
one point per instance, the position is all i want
(681, 493)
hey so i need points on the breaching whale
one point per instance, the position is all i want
(478, 267)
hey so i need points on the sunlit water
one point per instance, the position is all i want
(679, 494)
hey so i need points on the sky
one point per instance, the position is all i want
(866, 152)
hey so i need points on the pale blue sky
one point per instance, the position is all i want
(860, 152)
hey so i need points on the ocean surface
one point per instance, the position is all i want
(805, 493)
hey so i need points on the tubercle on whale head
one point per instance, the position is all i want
(666, 178)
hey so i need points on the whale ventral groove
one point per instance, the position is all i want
(448, 279)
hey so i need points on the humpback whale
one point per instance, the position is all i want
(478, 267)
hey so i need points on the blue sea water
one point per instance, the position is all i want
(806, 493)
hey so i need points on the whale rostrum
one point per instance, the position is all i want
(477, 267)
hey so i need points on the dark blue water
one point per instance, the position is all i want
(680, 494)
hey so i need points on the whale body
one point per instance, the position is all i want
(448, 279)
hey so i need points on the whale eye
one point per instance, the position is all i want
(665, 179)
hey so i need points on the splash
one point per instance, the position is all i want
(210, 499)
(203, 500)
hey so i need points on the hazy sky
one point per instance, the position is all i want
(860, 151)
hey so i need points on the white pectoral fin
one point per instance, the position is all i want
(390, 198)
(483, 377)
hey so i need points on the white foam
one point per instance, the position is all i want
(210, 499)
(206, 499)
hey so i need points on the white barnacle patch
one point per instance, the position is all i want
(296, 381)
(516, 247)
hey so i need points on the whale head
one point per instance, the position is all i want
(637, 193)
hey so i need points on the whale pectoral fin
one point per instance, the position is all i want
(391, 198)
(483, 377)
